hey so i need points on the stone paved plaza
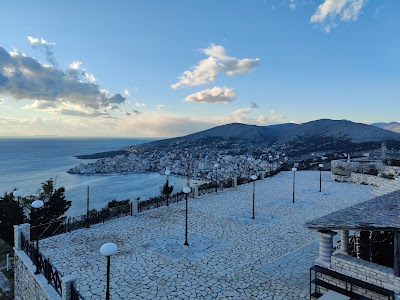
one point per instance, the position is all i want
(230, 256)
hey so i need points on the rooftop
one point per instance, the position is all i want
(378, 214)
(229, 254)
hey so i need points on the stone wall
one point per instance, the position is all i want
(345, 168)
(366, 271)
(29, 286)
(367, 179)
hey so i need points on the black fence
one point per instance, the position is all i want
(44, 266)
(74, 223)
(204, 189)
(75, 295)
(159, 201)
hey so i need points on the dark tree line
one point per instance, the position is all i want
(54, 209)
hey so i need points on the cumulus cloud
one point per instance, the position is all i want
(23, 77)
(1, 101)
(140, 104)
(126, 92)
(292, 4)
(214, 95)
(217, 62)
(44, 46)
(330, 10)
(244, 115)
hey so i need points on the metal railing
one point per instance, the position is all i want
(52, 275)
(75, 295)
(74, 223)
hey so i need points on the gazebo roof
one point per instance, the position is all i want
(378, 214)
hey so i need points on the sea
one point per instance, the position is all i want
(25, 163)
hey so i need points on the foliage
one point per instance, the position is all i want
(167, 189)
(55, 204)
(9, 212)
(115, 203)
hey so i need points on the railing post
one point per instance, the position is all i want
(66, 283)
(18, 230)
(131, 207)
(234, 182)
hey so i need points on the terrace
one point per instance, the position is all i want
(229, 255)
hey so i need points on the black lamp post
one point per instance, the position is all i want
(167, 172)
(216, 166)
(294, 181)
(18, 194)
(254, 178)
(186, 190)
(87, 206)
(107, 250)
(36, 205)
(320, 176)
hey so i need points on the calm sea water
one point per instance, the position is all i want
(26, 163)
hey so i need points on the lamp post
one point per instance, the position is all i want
(216, 166)
(167, 172)
(254, 178)
(107, 250)
(186, 190)
(320, 176)
(87, 204)
(36, 205)
(18, 194)
(294, 181)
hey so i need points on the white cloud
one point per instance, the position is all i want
(160, 106)
(44, 46)
(2, 101)
(243, 115)
(75, 65)
(140, 104)
(327, 12)
(214, 95)
(23, 77)
(292, 4)
(126, 92)
(217, 62)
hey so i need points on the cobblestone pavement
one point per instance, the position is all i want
(230, 255)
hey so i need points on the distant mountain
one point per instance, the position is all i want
(392, 126)
(338, 130)
(294, 139)
(252, 133)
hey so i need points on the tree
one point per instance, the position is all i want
(55, 204)
(9, 213)
(167, 190)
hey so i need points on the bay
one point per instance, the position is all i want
(27, 162)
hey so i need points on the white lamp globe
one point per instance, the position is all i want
(167, 172)
(18, 193)
(108, 249)
(37, 204)
(216, 165)
(294, 169)
(254, 177)
(321, 165)
(187, 190)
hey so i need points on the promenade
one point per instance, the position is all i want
(230, 255)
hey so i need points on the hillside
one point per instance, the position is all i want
(392, 126)
(338, 130)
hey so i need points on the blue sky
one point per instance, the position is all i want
(156, 68)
